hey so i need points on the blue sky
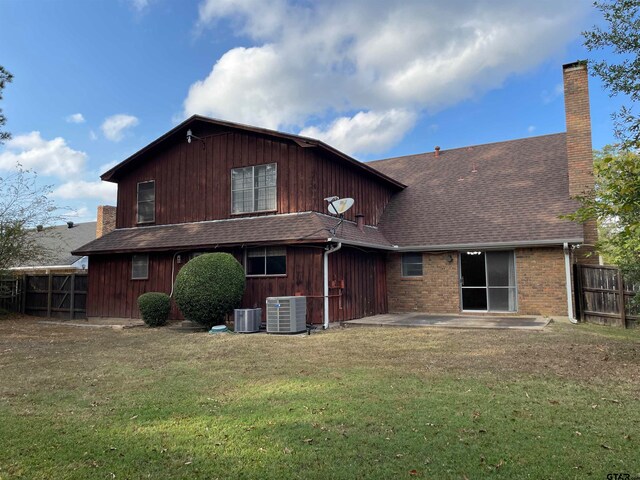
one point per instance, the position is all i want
(95, 81)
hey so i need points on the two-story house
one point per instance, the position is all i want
(473, 229)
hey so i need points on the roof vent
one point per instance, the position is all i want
(70, 225)
(39, 228)
(437, 151)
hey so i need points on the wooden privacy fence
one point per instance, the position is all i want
(603, 297)
(53, 295)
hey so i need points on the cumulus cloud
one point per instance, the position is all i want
(47, 157)
(365, 132)
(139, 5)
(75, 118)
(82, 189)
(309, 63)
(114, 127)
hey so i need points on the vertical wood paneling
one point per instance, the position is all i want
(194, 184)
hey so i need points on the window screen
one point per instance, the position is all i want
(140, 267)
(411, 264)
(266, 261)
(147, 202)
(253, 189)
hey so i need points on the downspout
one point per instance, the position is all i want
(327, 252)
(567, 271)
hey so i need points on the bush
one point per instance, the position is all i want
(208, 287)
(154, 308)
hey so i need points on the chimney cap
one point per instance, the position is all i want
(575, 65)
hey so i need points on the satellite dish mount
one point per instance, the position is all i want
(338, 206)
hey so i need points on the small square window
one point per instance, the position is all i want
(412, 264)
(253, 189)
(140, 267)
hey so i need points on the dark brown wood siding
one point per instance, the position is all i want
(365, 284)
(112, 292)
(194, 183)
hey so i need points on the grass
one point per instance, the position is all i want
(354, 403)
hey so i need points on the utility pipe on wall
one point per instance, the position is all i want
(567, 271)
(327, 252)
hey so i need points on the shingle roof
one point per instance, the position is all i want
(304, 227)
(503, 192)
(60, 240)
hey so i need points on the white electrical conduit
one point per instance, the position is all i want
(327, 252)
(567, 271)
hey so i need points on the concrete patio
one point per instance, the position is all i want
(451, 321)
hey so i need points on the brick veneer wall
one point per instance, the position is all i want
(540, 276)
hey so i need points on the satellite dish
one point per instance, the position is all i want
(339, 206)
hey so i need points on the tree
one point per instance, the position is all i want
(5, 77)
(23, 206)
(615, 203)
(620, 73)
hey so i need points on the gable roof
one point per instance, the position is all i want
(60, 240)
(306, 227)
(500, 193)
(112, 174)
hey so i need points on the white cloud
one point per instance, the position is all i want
(312, 62)
(139, 5)
(114, 127)
(75, 213)
(81, 189)
(75, 118)
(531, 128)
(365, 132)
(549, 96)
(46, 157)
(92, 135)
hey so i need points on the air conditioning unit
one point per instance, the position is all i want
(286, 314)
(247, 320)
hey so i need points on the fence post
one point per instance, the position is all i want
(23, 298)
(580, 294)
(621, 303)
(72, 298)
(49, 295)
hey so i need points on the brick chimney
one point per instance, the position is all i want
(579, 149)
(106, 221)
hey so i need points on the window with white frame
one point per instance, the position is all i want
(412, 264)
(139, 267)
(266, 261)
(147, 202)
(253, 189)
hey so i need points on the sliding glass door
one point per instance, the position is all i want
(488, 281)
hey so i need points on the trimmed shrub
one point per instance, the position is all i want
(154, 308)
(208, 287)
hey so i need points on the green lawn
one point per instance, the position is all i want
(347, 403)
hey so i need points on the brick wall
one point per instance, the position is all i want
(579, 149)
(540, 276)
(435, 292)
(106, 220)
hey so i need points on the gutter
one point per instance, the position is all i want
(460, 246)
(567, 272)
(325, 282)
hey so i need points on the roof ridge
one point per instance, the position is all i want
(535, 137)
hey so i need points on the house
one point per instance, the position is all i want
(58, 242)
(473, 229)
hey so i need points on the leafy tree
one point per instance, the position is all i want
(23, 205)
(5, 77)
(615, 202)
(620, 72)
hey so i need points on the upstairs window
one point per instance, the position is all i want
(140, 267)
(147, 202)
(412, 264)
(253, 189)
(266, 261)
